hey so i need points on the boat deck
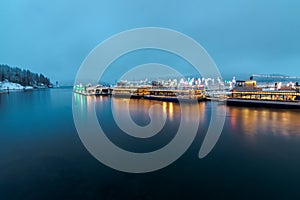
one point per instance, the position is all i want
(263, 103)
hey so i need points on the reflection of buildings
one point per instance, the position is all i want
(138, 106)
(173, 110)
(264, 121)
(86, 103)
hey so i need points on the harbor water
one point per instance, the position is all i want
(42, 156)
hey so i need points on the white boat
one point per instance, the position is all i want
(28, 88)
(89, 90)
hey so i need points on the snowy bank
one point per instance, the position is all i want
(11, 86)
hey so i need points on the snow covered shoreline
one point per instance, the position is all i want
(5, 85)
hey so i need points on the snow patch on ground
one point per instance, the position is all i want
(10, 86)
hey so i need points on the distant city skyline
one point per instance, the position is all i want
(54, 37)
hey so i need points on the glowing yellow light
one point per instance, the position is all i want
(171, 108)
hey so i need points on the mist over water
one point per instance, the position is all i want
(42, 156)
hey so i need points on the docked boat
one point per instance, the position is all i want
(28, 88)
(247, 94)
(130, 92)
(159, 93)
(90, 90)
(176, 95)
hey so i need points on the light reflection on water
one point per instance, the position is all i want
(141, 107)
(249, 121)
(254, 121)
(42, 156)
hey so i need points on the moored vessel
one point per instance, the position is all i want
(90, 90)
(246, 93)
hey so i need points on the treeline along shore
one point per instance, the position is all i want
(22, 76)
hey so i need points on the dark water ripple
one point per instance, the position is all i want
(42, 157)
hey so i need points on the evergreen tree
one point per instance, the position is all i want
(23, 77)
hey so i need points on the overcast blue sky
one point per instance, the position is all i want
(53, 37)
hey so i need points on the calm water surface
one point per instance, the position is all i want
(42, 157)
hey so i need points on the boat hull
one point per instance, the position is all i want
(128, 96)
(263, 103)
(173, 99)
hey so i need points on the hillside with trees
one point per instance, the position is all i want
(22, 76)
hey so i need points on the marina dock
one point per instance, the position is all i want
(146, 92)
(90, 90)
(245, 93)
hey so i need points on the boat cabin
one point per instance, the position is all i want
(246, 86)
